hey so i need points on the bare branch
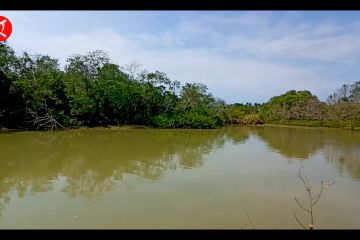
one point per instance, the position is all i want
(302, 179)
(312, 199)
(251, 222)
(297, 201)
(300, 223)
(47, 121)
(319, 195)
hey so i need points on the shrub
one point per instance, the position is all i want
(253, 118)
(186, 120)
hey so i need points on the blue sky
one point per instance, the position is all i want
(242, 56)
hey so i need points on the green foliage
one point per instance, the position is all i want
(196, 108)
(342, 109)
(253, 118)
(11, 101)
(187, 120)
(236, 113)
(92, 91)
(293, 105)
(43, 89)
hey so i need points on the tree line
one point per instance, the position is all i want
(91, 90)
(342, 108)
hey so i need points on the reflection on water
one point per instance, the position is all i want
(91, 159)
(341, 148)
(291, 142)
(88, 164)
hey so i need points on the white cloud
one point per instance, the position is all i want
(165, 40)
(302, 45)
(263, 35)
(63, 45)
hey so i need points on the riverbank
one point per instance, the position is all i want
(292, 123)
(323, 124)
(6, 130)
(120, 127)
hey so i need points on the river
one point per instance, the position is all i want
(233, 177)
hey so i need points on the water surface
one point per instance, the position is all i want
(152, 178)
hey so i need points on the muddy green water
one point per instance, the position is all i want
(151, 178)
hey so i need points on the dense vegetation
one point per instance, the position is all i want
(35, 93)
(342, 108)
(92, 91)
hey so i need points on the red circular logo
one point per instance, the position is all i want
(5, 28)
